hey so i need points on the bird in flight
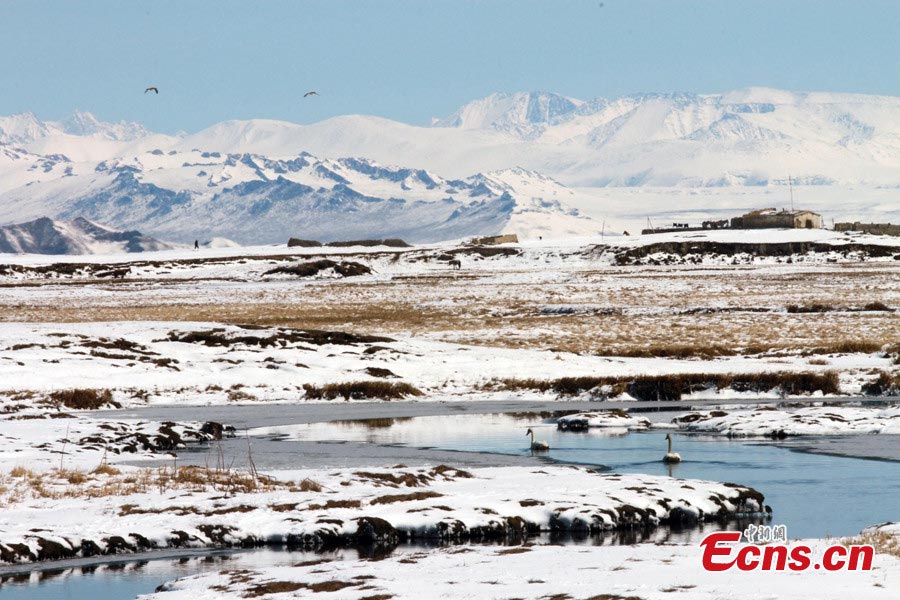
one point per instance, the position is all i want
(151, 89)
(310, 94)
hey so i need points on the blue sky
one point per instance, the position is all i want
(411, 60)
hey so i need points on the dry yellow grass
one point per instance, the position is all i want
(679, 312)
(672, 387)
(105, 481)
(105, 469)
(882, 541)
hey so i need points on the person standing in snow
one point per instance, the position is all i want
(196, 244)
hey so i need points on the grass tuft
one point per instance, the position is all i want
(886, 384)
(361, 390)
(84, 399)
(674, 386)
(882, 541)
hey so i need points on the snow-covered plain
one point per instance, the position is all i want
(822, 246)
(539, 311)
(176, 363)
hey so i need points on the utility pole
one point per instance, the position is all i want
(791, 188)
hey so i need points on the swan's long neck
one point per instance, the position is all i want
(532, 437)
(670, 445)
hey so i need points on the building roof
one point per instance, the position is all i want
(772, 211)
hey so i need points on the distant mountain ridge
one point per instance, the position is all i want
(753, 136)
(509, 161)
(24, 128)
(80, 236)
(253, 199)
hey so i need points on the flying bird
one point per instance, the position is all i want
(310, 94)
(151, 89)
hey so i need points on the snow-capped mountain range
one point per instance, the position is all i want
(26, 128)
(748, 137)
(253, 199)
(507, 162)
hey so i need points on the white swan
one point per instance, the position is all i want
(537, 445)
(671, 457)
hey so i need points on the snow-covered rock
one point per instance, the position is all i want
(609, 418)
(220, 242)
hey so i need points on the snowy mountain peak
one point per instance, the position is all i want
(532, 189)
(520, 113)
(22, 128)
(26, 128)
(83, 123)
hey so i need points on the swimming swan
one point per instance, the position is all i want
(537, 445)
(671, 457)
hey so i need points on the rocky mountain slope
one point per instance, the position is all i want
(253, 198)
(80, 236)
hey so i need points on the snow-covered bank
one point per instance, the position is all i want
(43, 434)
(198, 508)
(646, 572)
(779, 423)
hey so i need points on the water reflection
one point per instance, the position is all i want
(128, 579)
(814, 495)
